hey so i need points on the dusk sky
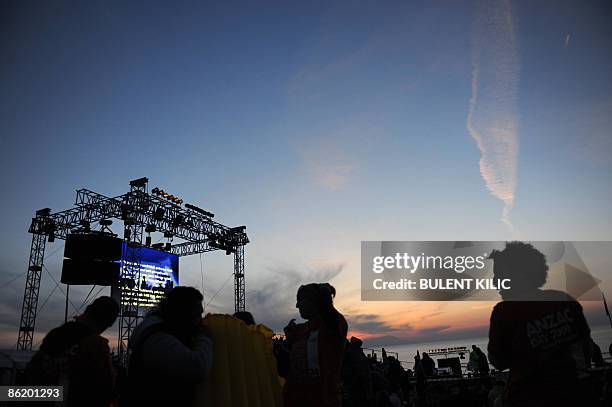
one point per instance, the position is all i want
(317, 125)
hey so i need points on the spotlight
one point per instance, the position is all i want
(158, 214)
(160, 192)
(199, 210)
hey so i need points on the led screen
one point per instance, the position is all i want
(158, 274)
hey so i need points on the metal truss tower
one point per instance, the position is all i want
(239, 285)
(193, 228)
(131, 213)
(30, 295)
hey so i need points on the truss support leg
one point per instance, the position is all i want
(128, 318)
(239, 285)
(30, 295)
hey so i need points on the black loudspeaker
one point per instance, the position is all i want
(93, 246)
(453, 363)
(90, 272)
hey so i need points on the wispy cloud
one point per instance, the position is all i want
(329, 165)
(272, 302)
(492, 118)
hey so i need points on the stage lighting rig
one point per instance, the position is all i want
(200, 210)
(188, 230)
(161, 193)
(221, 245)
(149, 229)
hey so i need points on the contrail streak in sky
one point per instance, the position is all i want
(492, 118)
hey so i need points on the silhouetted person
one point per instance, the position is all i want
(171, 352)
(540, 335)
(245, 316)
(596, 356)
(421, 381)
(75, 356)
(316, 350)
(357, 376)
(428, 364)
(482, 361)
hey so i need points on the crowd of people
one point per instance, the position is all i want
(171, 353)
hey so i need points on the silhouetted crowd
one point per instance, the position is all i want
(542, 352)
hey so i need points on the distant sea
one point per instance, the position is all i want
(601, 335)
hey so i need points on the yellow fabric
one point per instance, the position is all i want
(243, 372)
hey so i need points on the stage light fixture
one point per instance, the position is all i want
(158, 214)
(169, 197)
(150, 228)
(43, 212)
(140, 182)
(168, 246)
(125, 211)
(199, 210)
(148, 241)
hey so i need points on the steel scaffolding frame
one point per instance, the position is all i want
(138, 209)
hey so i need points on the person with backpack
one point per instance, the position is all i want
(171, 353)
(77, 357)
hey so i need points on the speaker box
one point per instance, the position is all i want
(93, 247)
(90, 272)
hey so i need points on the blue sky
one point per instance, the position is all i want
(316, 124)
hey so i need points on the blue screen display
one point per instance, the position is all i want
(159, 273)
